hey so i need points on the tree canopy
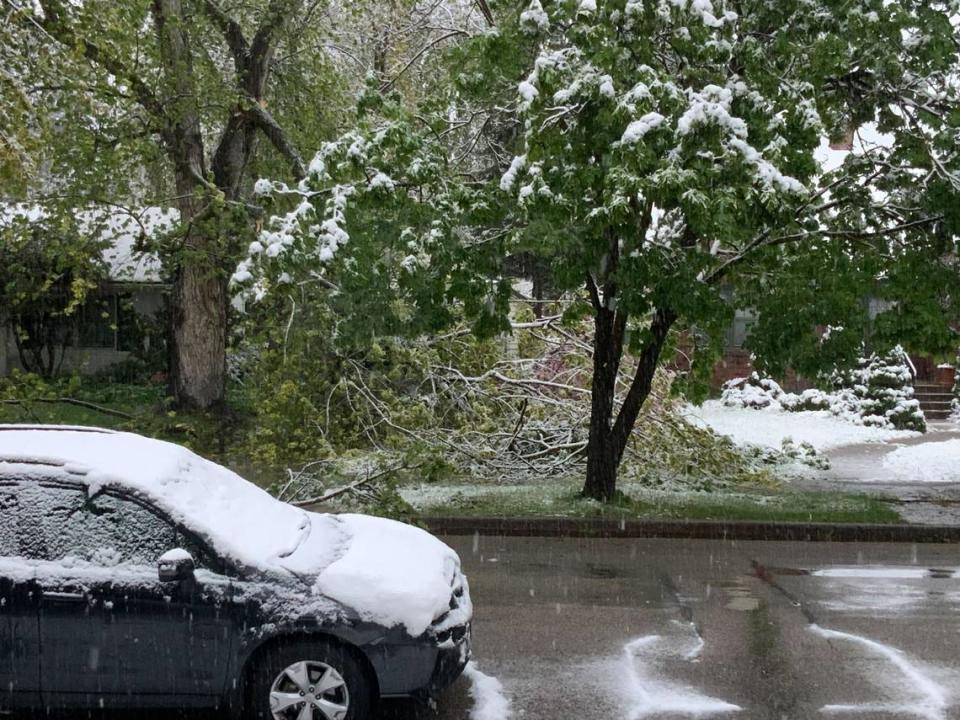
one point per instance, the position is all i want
(668, 160)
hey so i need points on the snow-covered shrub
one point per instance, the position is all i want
(808, 400)
(753, 391)
(882, 392)
(878, 392)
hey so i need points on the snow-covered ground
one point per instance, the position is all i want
(769, 427)
(930, 462)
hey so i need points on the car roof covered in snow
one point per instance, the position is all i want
(242, 522)
(386, 571)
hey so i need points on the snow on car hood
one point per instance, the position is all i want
(242, 522)
(392, 574)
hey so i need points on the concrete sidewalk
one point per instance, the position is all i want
(860, 469)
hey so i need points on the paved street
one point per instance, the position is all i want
(644, 628)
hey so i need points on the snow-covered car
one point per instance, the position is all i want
(134, 573)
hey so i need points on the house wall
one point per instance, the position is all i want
(147, 300)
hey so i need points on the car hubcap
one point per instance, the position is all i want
(309, 691)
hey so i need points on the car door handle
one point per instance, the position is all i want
(65, 597)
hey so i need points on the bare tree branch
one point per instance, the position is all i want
(232, 33)
(271, 128)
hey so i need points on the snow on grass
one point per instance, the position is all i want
(489, 700)
(769, 427)
(927, 463)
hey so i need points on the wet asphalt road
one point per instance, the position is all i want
(580, 629)
(631, 629)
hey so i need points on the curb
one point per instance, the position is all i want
(689, 529)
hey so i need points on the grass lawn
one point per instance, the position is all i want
(65, 405)
(564, 501)
(552, 498)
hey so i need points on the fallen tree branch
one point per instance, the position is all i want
(353, 486)
(73, 401)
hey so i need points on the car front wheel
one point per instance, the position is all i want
(309, 680)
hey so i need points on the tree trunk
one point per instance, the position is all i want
(198, 317)
(199, 334)
(608, 440)
(602, 459)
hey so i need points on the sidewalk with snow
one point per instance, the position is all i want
(920, 471)
(769, 427)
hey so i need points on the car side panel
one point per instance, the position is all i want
(403, 666)
(19, 645)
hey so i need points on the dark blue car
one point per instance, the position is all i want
(134, 573)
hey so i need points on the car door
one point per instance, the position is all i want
(111, 632)
(19, 625)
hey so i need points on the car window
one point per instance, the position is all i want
(106, 529)
(9, 521)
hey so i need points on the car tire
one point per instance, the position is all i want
(289, 669)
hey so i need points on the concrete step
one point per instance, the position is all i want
(936, 387)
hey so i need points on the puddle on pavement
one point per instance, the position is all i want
(602, 571)
(741, 595)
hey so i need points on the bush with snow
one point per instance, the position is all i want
(883, 391)
(878, 392)
(752, 392)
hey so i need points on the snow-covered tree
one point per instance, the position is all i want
(668, 149)
(666, 152)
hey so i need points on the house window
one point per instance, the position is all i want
(97, 322)
(739, 329)
(107, 321)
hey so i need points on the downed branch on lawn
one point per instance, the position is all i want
(519, 417)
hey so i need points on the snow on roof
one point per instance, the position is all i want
(121, 229)
(387, 572)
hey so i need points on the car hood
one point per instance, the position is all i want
(387, 572)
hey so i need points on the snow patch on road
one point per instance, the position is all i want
(927, 463)
(489, 700)
(888, 591)
(769, 427)
(890, 573)
(651, 696)
(930, 701)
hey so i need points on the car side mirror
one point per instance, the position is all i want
(175, 565)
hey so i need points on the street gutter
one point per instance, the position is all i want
(697, 529)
